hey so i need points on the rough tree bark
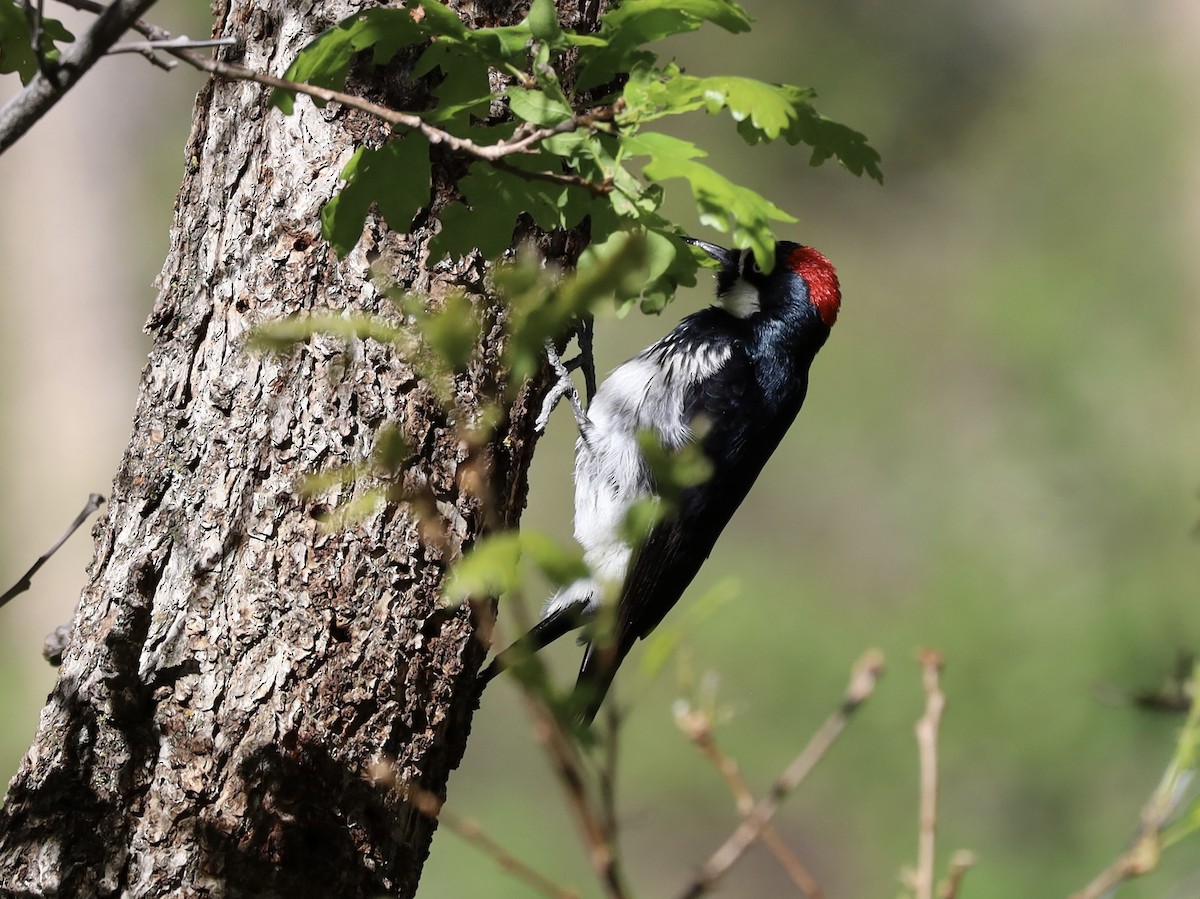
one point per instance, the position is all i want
(235, 673)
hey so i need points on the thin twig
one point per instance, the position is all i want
(962, 862)
(1139, 859)
(524, 140)
(35, 16)
(182, 42)
(384, 772)
(864, 677)
(569, 766)
(697, 726)
(494, 153)
(37, 97)
(94, 502)
(927, 747)
(471, 832)
(1144, 854)
(138, 25)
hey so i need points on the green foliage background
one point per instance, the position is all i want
(997, 457)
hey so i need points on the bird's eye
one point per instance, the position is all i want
(754, 269)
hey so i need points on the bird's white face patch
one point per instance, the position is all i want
(741, 299)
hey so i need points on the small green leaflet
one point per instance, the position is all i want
(496, 198)
(543, 22)
(723, 205)
(536, 107)
(491, 567)
(16, 47)
(394, 176)
(464, 89)
(543, 304)
(326, 61)
(832, 139)
(281, 335)
(635, 23)
(667, 638)
(763, 112)
(770, 108)
(652, 20)
(451, 332)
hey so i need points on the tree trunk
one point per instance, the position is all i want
(237, 675)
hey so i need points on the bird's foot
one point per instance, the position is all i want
(564, 387)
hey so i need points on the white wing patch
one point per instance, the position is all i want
(646, 392)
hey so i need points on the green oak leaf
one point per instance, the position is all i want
(723, 205)
(395, 177)
(326, 61)
(16, 45)
(464, 89)
(536, 107)
(491, 566)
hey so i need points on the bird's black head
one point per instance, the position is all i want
(801, 277)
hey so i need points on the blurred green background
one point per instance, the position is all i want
(997, 457)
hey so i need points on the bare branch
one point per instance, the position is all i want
(494, 153)
(697, 727)
(37, 97)
(608, 773)
(94, 502)
(570, 769)
(1144, 854)
(865, 675)
(138, 25)
(183, 42)
(384, 772)
(927, 746)
(524, 140)
(960, 864)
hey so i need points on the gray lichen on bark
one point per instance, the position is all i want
(237, 671)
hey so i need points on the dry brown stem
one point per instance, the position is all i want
(697, 726)
(865, 675)
(927, 747)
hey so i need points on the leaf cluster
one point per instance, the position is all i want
(17, 53)
(565, 152)
(441, 344)
(562, 152)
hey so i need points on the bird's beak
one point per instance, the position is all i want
(727, 258)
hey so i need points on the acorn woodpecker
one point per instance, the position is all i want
(733, 377)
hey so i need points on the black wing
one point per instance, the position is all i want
(742, 433)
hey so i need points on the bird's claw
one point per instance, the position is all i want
(564, 387)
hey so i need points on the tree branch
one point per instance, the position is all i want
(569, 767)
(960, 864)
(494, 153)
(1143, 855)
(522, 142)
(865, 675)
(94, 502)
(697, 727)
(36, 99)
(927, 744)
(383, 771)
